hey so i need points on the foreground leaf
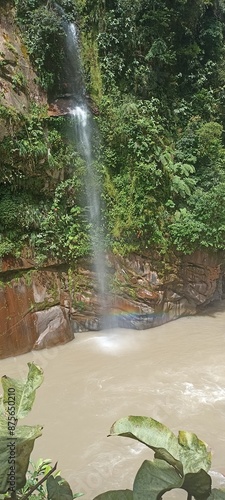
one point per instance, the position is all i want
(20, 395)
(116, 495)
(15, 455)
(193, 452)
(154, 479)
(186, 453)
(198, 484)
(58, 489)
(163, 454)
(148, 431)
(217, 495)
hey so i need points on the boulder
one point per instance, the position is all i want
(53, 327)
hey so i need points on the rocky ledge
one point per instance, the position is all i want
(44, 307)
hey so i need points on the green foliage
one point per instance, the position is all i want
(34, 158)
(56, 229)
(8, 247)
(150, 48)
(8, 114)
(58, 489)
(24, 391)
(161, 119)
(63, 231)
(19, 81)
(202, 223)
(157, 72)
(16, 445)
(24, 150)
(143, 175)
(20, 218)
(35, 473)
(16, 402)
(41, 23)
(179, 461)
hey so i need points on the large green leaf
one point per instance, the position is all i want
(163, 454)
(58, 489)
(193, 452)
(16, 443)
(15, 454)
(217, 495)
(154, 479)
(147, 431)
(116, 495)
(186, 453)
(23, 392)
(198, 484)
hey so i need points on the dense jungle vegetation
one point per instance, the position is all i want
(156, 71)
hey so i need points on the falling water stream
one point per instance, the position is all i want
(83, 126)
(174, 373)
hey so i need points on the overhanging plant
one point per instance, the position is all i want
(17, 442)
(181, 461)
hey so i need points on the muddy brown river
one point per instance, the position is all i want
(174, 373)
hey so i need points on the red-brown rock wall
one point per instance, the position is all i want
(32, 311)
(41, 308)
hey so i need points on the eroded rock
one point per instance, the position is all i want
(32, 311)
(44, 307)
(18, 85)
(53, 327)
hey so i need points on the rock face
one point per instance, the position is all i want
(64, 105)
(32, 311)
(18, 87)
(41, 308)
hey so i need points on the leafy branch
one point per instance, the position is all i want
(179, 462)
(17, 442)
(41, 481)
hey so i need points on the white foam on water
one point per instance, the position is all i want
(218, 479)
(138, 449)
(208, 394)
(113, 343)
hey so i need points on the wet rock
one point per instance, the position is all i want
(136, 321)
(148, 295)
(17, 323)
(85, 324)
(43, 308)
(65, 104)
(53, 327)
(62, 106)
(28, 306)
(16, 93)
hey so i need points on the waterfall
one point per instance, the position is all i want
(83, 127)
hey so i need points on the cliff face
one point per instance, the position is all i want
(18, 87)
(33, 311)
(44, 307)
